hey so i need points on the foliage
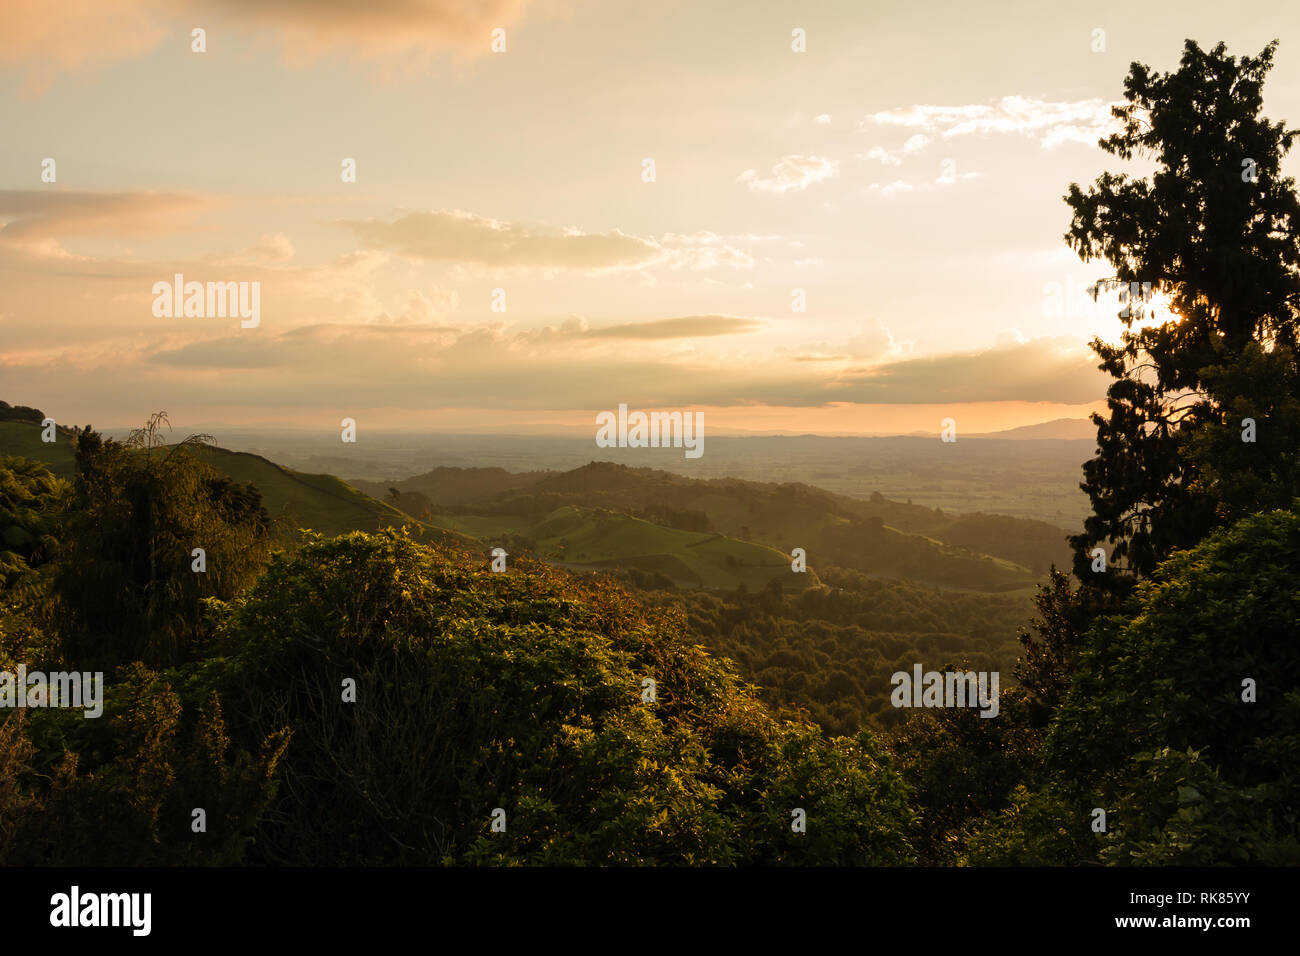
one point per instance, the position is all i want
(1177, 810)
(876, 536)
(1044, 827)
(962, 768)
(1157, 704)
(1047, 663)
(523, 691)
(829, 651)
(31, 502)
(126, 582)
(1224, 246)
(120, 790)
(20, 413)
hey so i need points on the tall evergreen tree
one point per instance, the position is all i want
(1215, 229)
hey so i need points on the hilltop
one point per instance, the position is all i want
(878, 536)
(320, 502)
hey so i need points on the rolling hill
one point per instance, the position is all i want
(877, 536)
(713, 533)
(888, 583)
(592, 539)
(320, 502)
(23, 439)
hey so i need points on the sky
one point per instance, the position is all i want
(624, 203)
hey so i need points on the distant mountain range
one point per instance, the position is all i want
(1060, 428)
(1067, 429)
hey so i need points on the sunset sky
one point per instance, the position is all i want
(906, 172)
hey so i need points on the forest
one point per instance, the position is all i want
(280, 692)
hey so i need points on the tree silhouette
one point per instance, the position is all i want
(1215, 229)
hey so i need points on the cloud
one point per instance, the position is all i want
(228, 353)
(424, 306)
(44, 41)
(444, 18)
(455, 236)
(1039, 370)
(38, 219)
(890, 189)
(316, 343)
(686, 327)
(706, 250)
(427, 365)
(1052, 122)
(791, 173)
(917, 142)
(38, 214)
(397, 35)
(462, 237)
(401, 341)
(914, 144)
(394, 35)
(273, 248)
(418, 366)
(883, 155)
(873, 341)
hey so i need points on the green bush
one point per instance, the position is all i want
(523, 691)
(1154, 725)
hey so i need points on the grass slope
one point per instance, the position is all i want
(322, 503)
(876, 536)
(23, 439)
(600, 538)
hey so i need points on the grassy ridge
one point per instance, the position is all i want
(571, 536)
(876, 536)
(320, 502)
(23, 439)
(599, 538)
(714, 534)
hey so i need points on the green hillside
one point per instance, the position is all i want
(23, 439)
(580, 538)
(600, 538)
(320, 502)
(876, 536)
(609, 539)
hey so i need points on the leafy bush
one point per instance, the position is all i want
(523, 691)
(1154, 727)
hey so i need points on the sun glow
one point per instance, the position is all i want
(1156, 310)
